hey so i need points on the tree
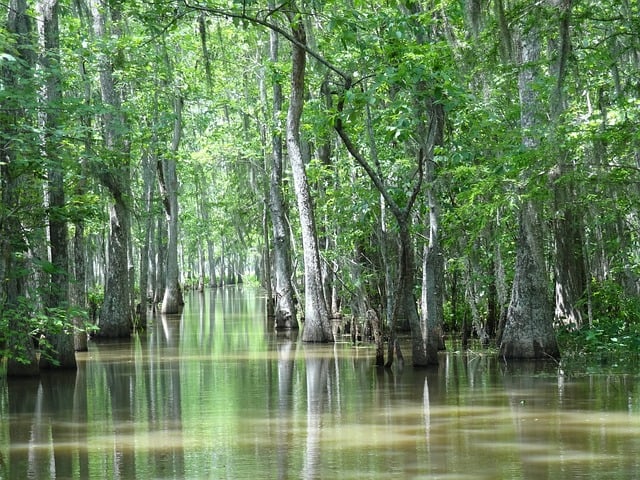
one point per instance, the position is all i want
(284, 311)
(569, 271)
(316, 315)
(57, 300)
(423, 123)
(148, 174)
(529, 328)
(113, 171)
(168, 180)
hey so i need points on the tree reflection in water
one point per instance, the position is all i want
(216, 393)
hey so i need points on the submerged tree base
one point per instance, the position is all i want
(529, 350)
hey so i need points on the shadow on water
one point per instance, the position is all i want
(48, 421)
(216, 393)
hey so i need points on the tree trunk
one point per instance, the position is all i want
(528, 332)
(213, 282)
(285, 310)
(569, 267)
(433, 261)
(145, 259)
(422, 355)
(317, 327)
(172, 301)
(79, 280)
(570, 275)
(79, 285)
(116, 313)
(63, 354)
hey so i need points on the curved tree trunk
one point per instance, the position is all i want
(317, 327)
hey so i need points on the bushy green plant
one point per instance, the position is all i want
(40, 325)
(95, 297)
(615, 328)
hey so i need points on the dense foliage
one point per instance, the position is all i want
(378, 78)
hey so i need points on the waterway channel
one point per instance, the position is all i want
(214, 393)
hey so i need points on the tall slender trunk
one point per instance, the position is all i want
(433, 261)
(211, 258)
(160, 259)
(317, 327)
(147, 187)
(284, 307)
(172, 301)
(79, 279)
(63, 354)
(570, 275)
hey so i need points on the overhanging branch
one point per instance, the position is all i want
(217, 12)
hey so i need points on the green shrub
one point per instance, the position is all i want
(614, 334)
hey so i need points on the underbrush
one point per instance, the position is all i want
(612, 338)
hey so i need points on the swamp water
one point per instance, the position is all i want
(215, 394)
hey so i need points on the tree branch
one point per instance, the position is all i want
(271, 26)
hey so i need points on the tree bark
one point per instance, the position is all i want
(79, 281)
(528, 332)
(317, 327)
(116, 313)
(433, 262)
(160, 259)
(172, 301)
(569, 268)
(285, 310)
(63, 353)
(145, 259)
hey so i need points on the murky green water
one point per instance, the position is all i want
(215, 394)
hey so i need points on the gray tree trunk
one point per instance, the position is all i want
(79, 282)
(172, 301)
(211, 258)
(79, 285)
(528, 332)
(317, 327)
(148, 183)
(284, 304)
(432, 300)
(116, 313)
(408, 304)
(160, 259)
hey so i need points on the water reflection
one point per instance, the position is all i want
(216, 393)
